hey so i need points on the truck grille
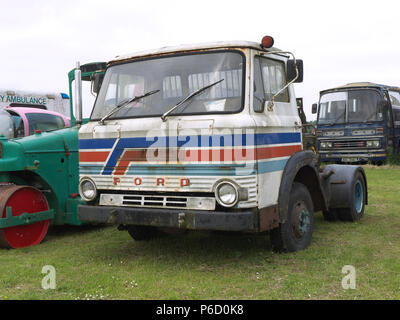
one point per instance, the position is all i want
(349, 144)
(158, 201)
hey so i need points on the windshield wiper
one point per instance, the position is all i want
(331, 123)
(124, 103)
(164, 116)
(370, 116)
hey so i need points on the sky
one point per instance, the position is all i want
(339, 41)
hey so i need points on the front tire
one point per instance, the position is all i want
(296, 232)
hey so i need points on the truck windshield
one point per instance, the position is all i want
(175, 77)
(6, 125)
(350, 106)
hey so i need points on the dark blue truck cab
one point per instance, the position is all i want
(358, 122)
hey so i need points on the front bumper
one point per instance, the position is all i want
(335, 156)
(243, 220)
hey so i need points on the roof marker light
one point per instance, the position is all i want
(267, 42)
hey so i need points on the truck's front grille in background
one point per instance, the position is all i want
(349, 144)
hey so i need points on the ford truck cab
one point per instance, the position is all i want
(204, 137)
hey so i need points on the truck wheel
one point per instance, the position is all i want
(22, 199)
(139, 233)
(295, 234)
(357, 200)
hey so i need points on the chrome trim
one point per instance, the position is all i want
(221, 182)
(157, 201)
(81, 192)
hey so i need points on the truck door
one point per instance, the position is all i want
(393, 120)
(396, 129)
(278, 128)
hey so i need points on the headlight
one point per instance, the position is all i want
(373, 144)
(226, 194)
(325, 145)
(87, 189)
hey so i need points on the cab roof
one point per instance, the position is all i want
(193, 47)
(362, 85)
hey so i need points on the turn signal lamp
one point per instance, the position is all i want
(267, 42)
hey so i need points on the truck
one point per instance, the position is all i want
(39, 179)
(52, 101)
(358, 123)
(208, 137)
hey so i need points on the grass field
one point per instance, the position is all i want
(104, 263)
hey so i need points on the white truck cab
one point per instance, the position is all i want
(206, 137)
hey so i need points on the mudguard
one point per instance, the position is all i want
(339, 191)
(301, 167)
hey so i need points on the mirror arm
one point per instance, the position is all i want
(271, 103)
(91, 89)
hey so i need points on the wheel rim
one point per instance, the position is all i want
(358, 196)
(23, 199)
(302, 220)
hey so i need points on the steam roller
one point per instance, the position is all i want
(25, 216)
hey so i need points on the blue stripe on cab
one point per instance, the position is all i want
(194, 141)
(271, 166)
(191, 170)
(96, 143)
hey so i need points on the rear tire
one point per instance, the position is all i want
(296, 232)
(357, 200)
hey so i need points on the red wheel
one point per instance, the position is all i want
(22, 199)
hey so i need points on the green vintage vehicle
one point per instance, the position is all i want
(39, 180)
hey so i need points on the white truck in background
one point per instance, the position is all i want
(52, 101)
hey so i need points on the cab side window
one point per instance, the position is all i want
(395, 101)
(273, 77)
(258, 92)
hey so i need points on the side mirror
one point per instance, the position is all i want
(93, 66)
(97, 80)
(258, 104)
(78, 94)
(291, 70)
(314, 108)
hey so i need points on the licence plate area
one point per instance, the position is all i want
(158, 201)
(352, 159)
